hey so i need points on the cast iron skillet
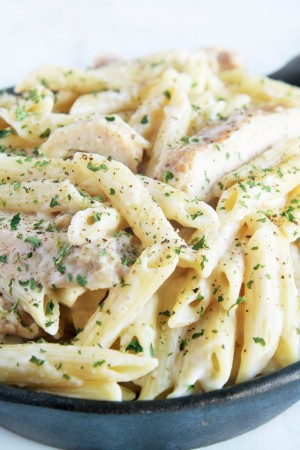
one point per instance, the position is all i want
(175, 424)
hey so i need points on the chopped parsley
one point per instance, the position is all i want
(97, 216)
(35, 242)
(196, 215)
(38, 362)
(199, 243)
(199, 334)
(152, 353)
(144, 120)
(14, 223)
(21, 113)
(288, 214)
(16, 185)
(182, 344)
(239, 300)
(165, 313)
(54, 201)
(167, 94)
(135, 346)
(99, 363)
(249, 284)
(122, 282)
(204, 260)
(93, 168)
(32, 95)
(259, 340)
(167, 176)
(4, 133)
(49, 308)
(185, 139)
(63, 251)
(3, 259)
(45, 133)
(38, 224)
(81, 280)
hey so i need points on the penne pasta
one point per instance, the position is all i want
(149, 227)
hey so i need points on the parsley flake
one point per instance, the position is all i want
(81, 280)
(259, 340)
(14, 223)
(135, 346)
(35, 242)
(167, 176)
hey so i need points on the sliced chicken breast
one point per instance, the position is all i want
(108, 136)
(201, 160)
(37, 250)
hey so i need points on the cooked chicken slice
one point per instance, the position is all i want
(195, 165)
(221, 59)
(37, 251)
(108, 136)
(106, 59)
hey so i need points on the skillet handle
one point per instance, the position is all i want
(290, 73)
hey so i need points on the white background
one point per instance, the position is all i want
(73, 32)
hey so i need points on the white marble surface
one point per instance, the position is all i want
(74, 32)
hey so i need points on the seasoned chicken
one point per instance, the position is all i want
(37, 250)
(108, 136)
(196, 163)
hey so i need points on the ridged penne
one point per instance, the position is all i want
(149, 227)
(126, 301)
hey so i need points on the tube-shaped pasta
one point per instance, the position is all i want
(212, 245)
(263, 317)
(41, 305)
(46, 364)
(207, 353)
(257, 166)
(147, 118)
(192, 300)
(167, 343)
(143, 328)
(176, 205)
(134, 202)
(228, 275)
(85, 305)
(288, 218)
(68, 296)
(177, 116)
(21, 169)
(261, 89)
(288, 347)
(34, 127)
(108, 390)
(266, 191)
(106, 102)
(125, 301)
(44, 195)
(93, 224)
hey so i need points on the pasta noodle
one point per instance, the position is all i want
(149, 227)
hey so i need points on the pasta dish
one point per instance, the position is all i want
(149, 227)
